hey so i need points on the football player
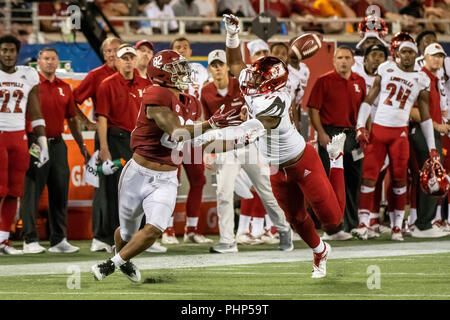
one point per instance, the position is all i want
(373, 57)
(397, 87)
(19, 96)
(298, 174)
(148, 183)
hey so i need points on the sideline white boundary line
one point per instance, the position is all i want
(240, 258)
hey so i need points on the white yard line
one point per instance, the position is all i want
(241, 258)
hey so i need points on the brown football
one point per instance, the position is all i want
(305, 46)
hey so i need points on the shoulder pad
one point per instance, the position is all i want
(272, 105)
(423, 81)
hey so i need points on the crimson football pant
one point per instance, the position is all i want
(253, 207)
(394, 142)
(14, 158)
(306, 180)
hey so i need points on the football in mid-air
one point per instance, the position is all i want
(305, 46)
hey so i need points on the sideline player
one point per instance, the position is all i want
(299, 175)
(19, 94)
(398, 87)
(148, 183)
(373, 57)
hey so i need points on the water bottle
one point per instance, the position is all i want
(106, 167)
(283, 28)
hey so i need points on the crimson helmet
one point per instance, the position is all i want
(169, 69)
(397, 40)
(265, 75)
(433, 179)
(374, 24)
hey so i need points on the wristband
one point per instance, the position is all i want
(38, 122)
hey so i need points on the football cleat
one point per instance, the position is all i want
(270, 238)
(433, 232)
(98, 245)
(397, 234)
(247, 238)
(224, 248)
(336, 147)
(447, 227)
(131, 271)
(379, 228)
(408, 229)
(102, 270)
(32, 247)
(7, 248)
(361, 232)
(169, 237)
(156, 247)
(339, 236)
(63, 247)
(320, 262)
(196, 238)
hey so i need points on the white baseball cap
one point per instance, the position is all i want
(126, 49)
(257, 45)
(217, 55)
(434, 48)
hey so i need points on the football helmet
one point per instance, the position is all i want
(433, 179)
(170, 69)
(265, 75)
(397, 40)
(373, 24)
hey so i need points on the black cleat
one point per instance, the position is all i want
(102, 270)
(131, 271)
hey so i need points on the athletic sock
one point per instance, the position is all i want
(438, 216)
(365, 204)
(320, 247)
(257, 227)
(192, 222)
(269, 222)
(392, 219)
(117, 260)
(399, 215)
(412, 216)
(244, 224)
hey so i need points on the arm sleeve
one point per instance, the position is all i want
(316, 96)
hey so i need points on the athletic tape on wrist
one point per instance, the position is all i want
(38, 122)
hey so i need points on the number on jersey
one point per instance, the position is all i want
(18, 94)
(402, 96)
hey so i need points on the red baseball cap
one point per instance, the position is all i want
(146, 43)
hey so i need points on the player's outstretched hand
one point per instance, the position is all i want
(222, 119)
(231, 24)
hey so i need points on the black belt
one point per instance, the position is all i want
(57, 139)
(116, 131)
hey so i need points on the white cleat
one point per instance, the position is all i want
(98, 245)
(338, 236)
(397, 234)
(336, 147)
(447, 227)
(7, 248)
(32, 248)
(156, 247)
(320, 262)
(433, 232)
(361, 232)
(196, 238)
(169, 237)
(63, 247)
(247, 238)
(131, 271)
(379, 228)
(270, 238)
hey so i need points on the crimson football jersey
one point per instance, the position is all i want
(147, 139)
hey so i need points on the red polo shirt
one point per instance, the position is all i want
(434, 101)
(212, 100)
(57, 103)
(88, 87)
(119, 100)
(337, 99)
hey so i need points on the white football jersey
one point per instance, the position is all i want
(14, 91)
(199, 76)
(369, 80)
(399, 90)
(297, 81)
(284, 142)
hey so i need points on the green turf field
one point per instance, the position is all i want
(377, 269)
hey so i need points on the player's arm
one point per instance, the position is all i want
(102, 131)
(233, 48)
(38, 124)
(426, 123)
(75, 129)
(90, 125)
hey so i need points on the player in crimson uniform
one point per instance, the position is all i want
(397, 86)
(19, 96)
(298, 172)
(148, 183)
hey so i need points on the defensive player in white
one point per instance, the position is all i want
(298, 174)
(19, 96)
(373, 57)
(398, 87)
